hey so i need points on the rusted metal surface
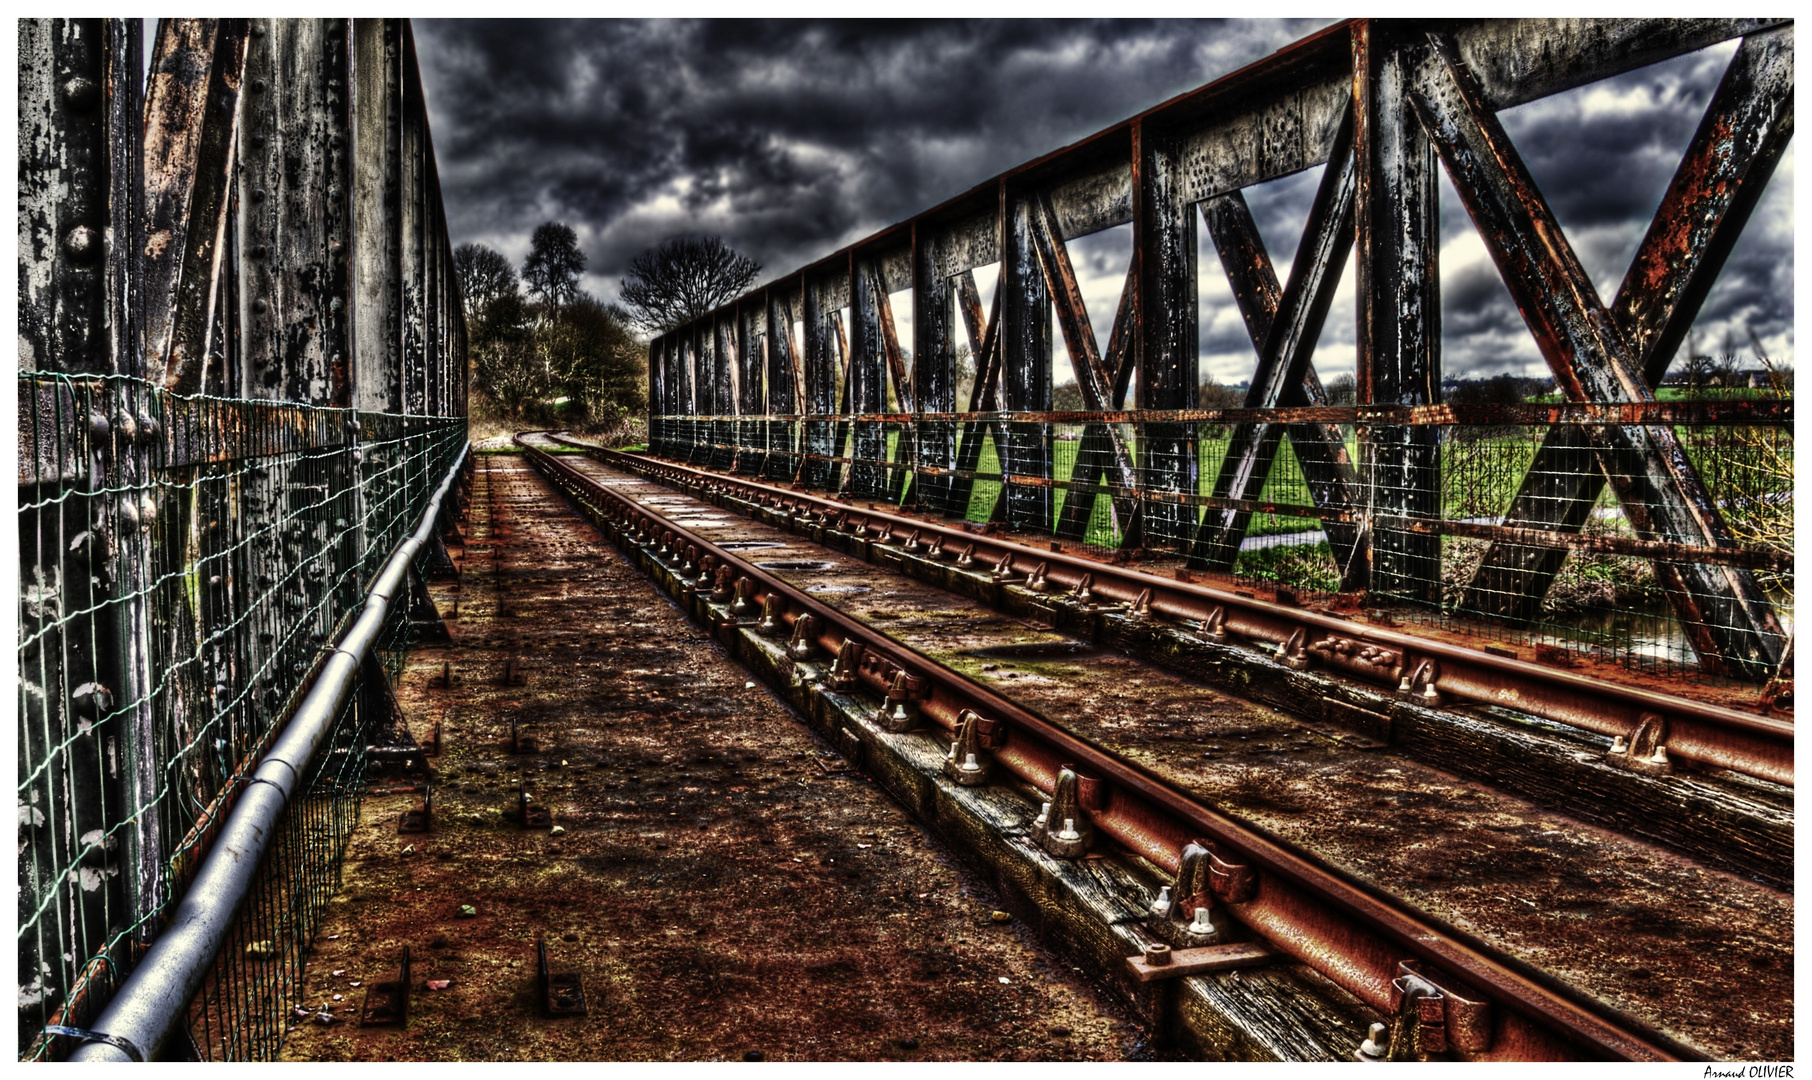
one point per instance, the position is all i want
(1303, 906)
(1733, 626)
(1285, 332)
(1368, 85)
(1413, 832)
(1760, 746)
(720, 885)
(1738, 143)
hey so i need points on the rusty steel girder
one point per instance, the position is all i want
(1382, 102)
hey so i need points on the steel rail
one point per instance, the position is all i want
(148, 1007)
(1352, 933)
(1748, 743)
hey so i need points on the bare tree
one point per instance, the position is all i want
(485, 276)
(683, 278)
(554, 264)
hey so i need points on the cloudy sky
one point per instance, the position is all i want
(792, 139)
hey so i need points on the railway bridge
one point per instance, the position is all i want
(851, 718)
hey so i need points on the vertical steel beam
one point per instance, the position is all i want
(1025, 342)
(821, 362)
(752, 435)
(1397, 244)
(191, 112)
(933, 367)
(783, 390)
(1726, 615)
(723, 394)
(1166, 314)
(1739, 141)
(867, 381)
(284, 187)
(413, 308)
(376, 215)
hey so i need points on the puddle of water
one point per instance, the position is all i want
(837, 589)
(802, 565)
(748, 545)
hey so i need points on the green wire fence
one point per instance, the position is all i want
(185, 563)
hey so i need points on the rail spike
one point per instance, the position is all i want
(967, 763)
(1062, 828)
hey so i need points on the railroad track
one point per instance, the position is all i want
(1281, 895)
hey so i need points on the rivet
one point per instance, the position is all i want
(260, 306)
(81, 94)
(259, 251)
(257, 29)
(257, 194)
(258, 86)
(81, 242)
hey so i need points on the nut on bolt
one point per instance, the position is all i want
(844, 669)
(744, 606)
(801, 647)
(899, 713)
(1062, 829)
(967, 763)
(773, 607)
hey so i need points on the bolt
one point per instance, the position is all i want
(1376, 1046)
(259, 251)
(1201, 925)
(1157, 954)
(1161, 906)
(97, 425)
(259, 86)
(257, 194)
(259, 306)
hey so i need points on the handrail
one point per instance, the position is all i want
(148, 1007)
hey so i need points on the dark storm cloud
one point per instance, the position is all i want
(793, 138)
(789, 138)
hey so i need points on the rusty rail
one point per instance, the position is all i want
(1354, 935)
(1759, 746)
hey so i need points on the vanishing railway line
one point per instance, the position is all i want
(1468, 919)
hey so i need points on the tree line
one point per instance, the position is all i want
(545, 351)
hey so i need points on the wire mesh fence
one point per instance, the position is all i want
(185, 561)
(1535, 524)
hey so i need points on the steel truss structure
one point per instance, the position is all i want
(792, 380)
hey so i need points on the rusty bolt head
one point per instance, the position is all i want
(260, 252)
(260, 306)
(335, 304)
(259, 86)
(1157, 954)
(81, 94)
(257, 194)
(257, 29)
(82, 243)
(98, 425)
